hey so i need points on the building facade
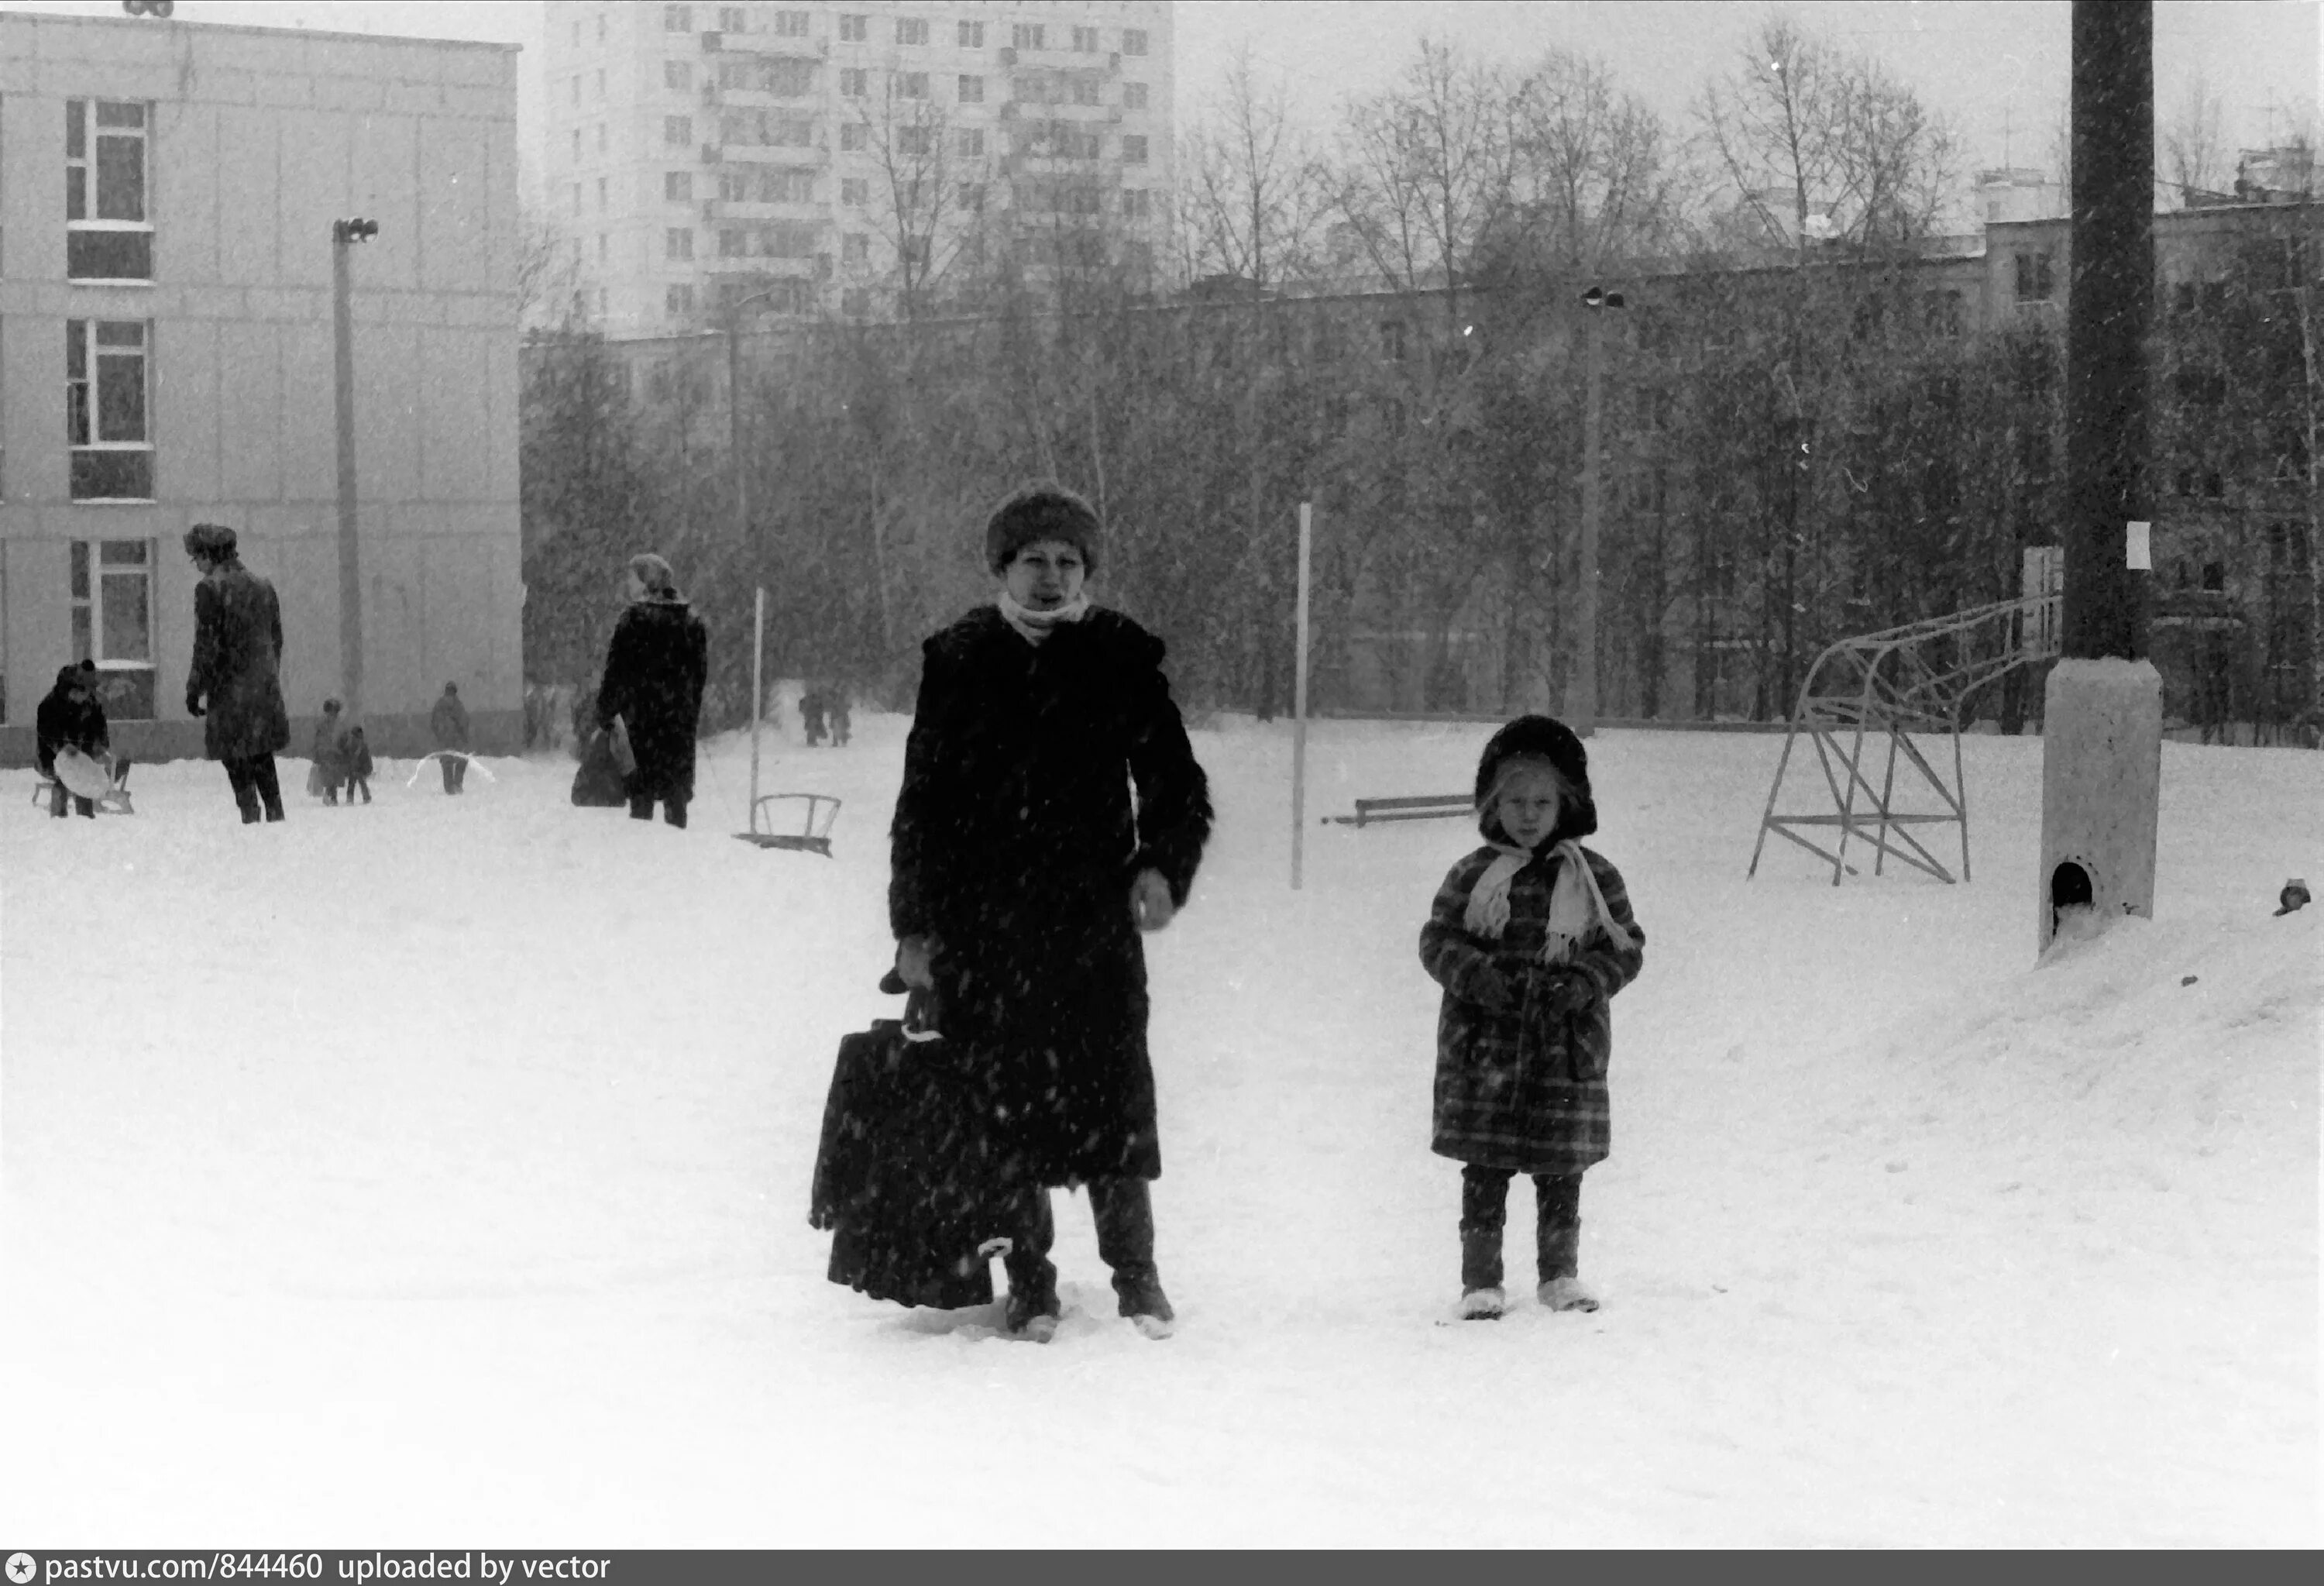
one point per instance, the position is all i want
(166, 358)
(860, 160)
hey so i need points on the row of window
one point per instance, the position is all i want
(855, 28)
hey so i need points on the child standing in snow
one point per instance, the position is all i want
(358, 765)
(1530, 936)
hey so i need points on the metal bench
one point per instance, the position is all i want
(1419, 808)
(814, 834)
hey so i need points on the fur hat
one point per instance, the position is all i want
(215, 541)
(1551, 743)
(1039, 513)
(654, 573)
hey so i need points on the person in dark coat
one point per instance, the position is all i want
(1023, 871)
(448, 724)
(811, 715)
(69, 717)
(235, 681)
(1530, 936)
(655, 669)
(355, 760)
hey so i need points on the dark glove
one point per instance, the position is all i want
(193, 702)
(1562, 993)
(1489, 989)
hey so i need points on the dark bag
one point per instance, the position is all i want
(599, 783)
(905, 1180)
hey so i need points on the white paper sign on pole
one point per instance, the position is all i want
(2136, 549)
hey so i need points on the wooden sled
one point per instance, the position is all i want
(102, 782)
(814, 834)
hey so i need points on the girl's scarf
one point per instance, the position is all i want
(1576, 905)
(1035, 625)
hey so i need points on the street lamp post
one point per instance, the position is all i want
(1582, 679)
(344, 234)
(743, 533)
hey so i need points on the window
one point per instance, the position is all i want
(678, 243)
(732, 20)
(106, 422)
(601, 195)
(573, 89)
(789, 80)
(1083, 202)
(790, 24)
(856, 301)
(732, 243)
(605, 247)
(855, 249)
(972, 90)
(2033, 278)
(972, 35)
(854, 137)
(972, 197)
(678, 301)
(601, 30)
(597, 90)
(735, 74)
(577, 199)
(677, 187)
(1084, 90)
(1133, 40)
(106, 235)
(1025, 35)
(1133, 95)
(911, 30)
(970, 141)
(855, 82)
(1085, 40)
(912, 140)
(790, 132)
(855, 191)
(787, 186)
(734, 187)
(854, 29)
(911, 85)
(576, 145)
(789, 239)
(675, 129)
(1137, 203)
(601, 137)
(1392, 347)
(2215, 578)
(112, 593)
(1133, 148)
(677, 18)
(677, 74)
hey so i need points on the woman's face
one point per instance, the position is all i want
(1045, 574)
(1530, 801)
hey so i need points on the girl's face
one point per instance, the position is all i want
(1529, 805)
(1045, 574)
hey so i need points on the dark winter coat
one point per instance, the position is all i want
(62, 720)
(1522, 1087)
(1015, 843)
(356, 751)
(449, 722)
(654, 672)
(237, 665)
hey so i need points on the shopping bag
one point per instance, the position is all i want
(598, 783)
(905, 1180)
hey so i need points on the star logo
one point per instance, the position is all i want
(21, 1568)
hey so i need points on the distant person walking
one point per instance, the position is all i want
(236, 680)
(330, 754)
(356, 755)
(69, 718)
(449, 722)
(655, 669)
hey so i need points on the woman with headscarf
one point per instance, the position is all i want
(655, 669)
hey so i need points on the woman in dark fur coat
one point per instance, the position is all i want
(1023, 871)
(655, 668)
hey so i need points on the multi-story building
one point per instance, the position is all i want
(859, 159)
(166, 358)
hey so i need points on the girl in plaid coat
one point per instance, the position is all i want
(1530, 936)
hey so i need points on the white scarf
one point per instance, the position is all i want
(1576, 904)
(1035, 625)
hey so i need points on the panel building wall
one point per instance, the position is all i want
(167, 192)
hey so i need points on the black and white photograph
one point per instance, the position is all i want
(960, 775)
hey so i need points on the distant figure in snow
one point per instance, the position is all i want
(1022, 871)
(329, 755)
(235, 677)
(448, 724)
(1530, 936)
(655, 668)
(69, 718)
(357, 755)
(811, 715)
(838, 715)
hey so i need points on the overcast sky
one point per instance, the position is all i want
(1996, 67)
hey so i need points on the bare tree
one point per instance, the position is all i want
(1592, 166)
(934, 180)
(2194, 152)
(1252, 202)
(547, 270)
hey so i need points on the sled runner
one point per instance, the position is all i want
(814, 834)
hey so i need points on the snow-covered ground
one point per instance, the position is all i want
(436, 1172)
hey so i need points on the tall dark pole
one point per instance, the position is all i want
(344, 235)
(2109, 309)
(1582, 680)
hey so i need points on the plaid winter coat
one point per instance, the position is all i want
(1521, 1088)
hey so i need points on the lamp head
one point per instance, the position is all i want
(354, 229)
